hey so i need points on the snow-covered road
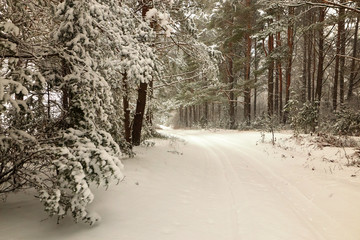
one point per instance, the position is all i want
(250, 194)
(204, 186)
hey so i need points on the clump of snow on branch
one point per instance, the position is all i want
(163, 19)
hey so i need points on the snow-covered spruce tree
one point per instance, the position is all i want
(20, 83)
(83, 150)
(12, 89)
(132, 61)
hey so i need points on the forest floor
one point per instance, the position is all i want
(221, 185)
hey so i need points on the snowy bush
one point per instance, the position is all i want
(347, 122)
(82, 158)
(303, 117)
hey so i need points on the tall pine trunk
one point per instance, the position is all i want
(126, 108)
(231, 89)
(279, 79)
(304, 68)
(142, 94)
(320, 72)
(342, 52)
(290, 43)
(353, 74)
(139, 114)
(247, 89)
(270, 77)
(337, 63)
(255, 76)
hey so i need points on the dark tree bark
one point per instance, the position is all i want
(190, 116)
(219, 113)
(304, 68)
(255, 76)
(313, 72)
(337, 63)
(320, 72)
(309, 37)
(353, 74)
(142, 93)
(276, 88)
(247, 89)
(213, 118)
(271, 76)
(139, 114)
(149, 113)
(180, 116)
(127, 124)
(279, 79)
(231, 80)
(290, 43)
(206, 112)
(342, 52)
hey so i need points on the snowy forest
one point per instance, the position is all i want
(83, 83)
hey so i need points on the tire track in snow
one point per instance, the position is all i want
(211, 155)
(274, 190)
(309, 211)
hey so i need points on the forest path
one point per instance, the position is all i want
(205, 185)
(262, 194)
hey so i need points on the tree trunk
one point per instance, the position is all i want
(231, 88)
(271, 76)
(276, 90)
(309, 35)
(290, 43)
(279, 80)
(126, 108)
(139, 114)
(313, 67)
(190, 116)
(353, 62)
(195, 119)
(337, 61)
(149, 113)
(142, 94)
(255, 76)
(181, 116)
(342, 52)
(219, 112)
(320, 75)
(308, 69)
(304, 68)
(206, 112)
(247, 89)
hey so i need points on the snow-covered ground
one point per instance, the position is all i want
(206, 185)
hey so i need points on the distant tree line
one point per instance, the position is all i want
(279, 58)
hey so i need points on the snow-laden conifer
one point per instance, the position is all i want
(84, 152)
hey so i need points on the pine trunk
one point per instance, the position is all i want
(231, 89)
(320, 72)
(139, 114)
(126, 108)
(342, 54)
(271, 77)
(247, 89)
(142, 94)
(255, 77)
(290, 43)
(353, 74)
(304, 69)
(279, 80)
